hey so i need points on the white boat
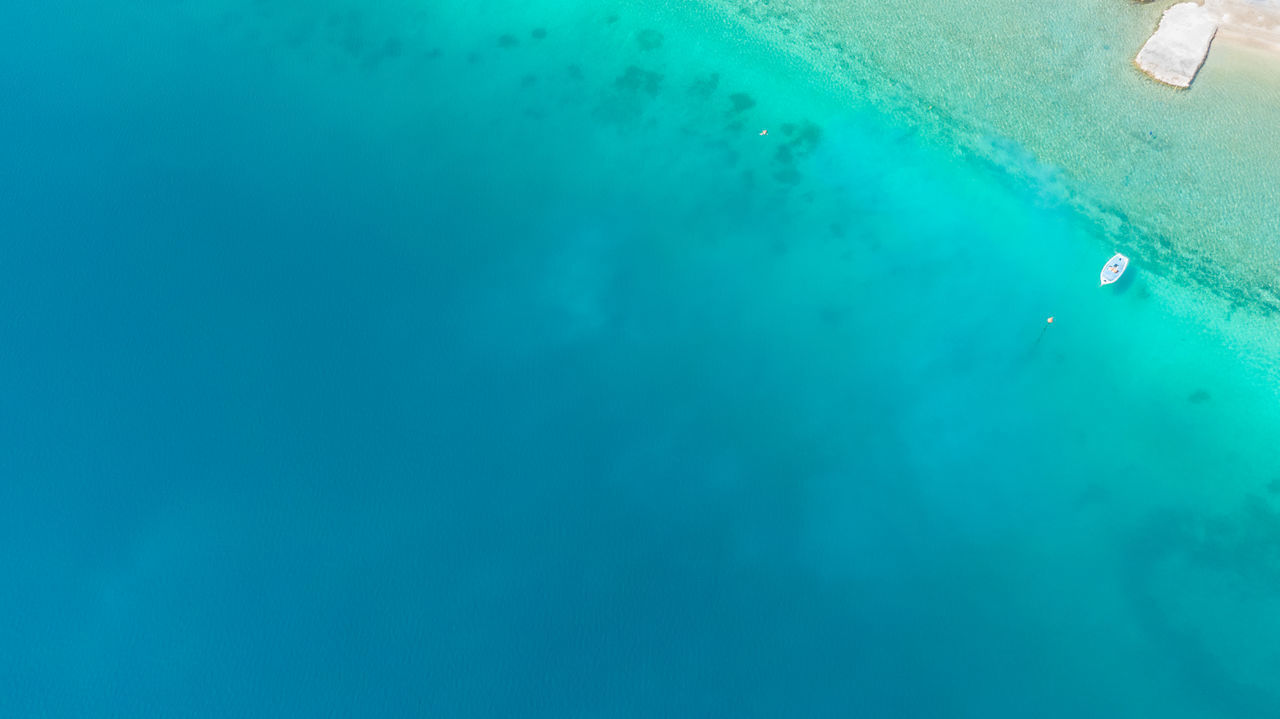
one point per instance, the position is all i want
(1114, 268)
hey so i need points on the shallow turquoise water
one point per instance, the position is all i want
(417, 359)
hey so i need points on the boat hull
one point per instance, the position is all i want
(1114, 269)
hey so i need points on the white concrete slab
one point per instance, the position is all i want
(1174, 54)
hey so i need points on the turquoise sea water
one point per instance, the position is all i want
(409, 359)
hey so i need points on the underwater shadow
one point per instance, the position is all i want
(1126, 282)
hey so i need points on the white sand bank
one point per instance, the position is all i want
(1174, 54)
(1256, 22)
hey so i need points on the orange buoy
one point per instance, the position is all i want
(763, 133)
(1050, 320)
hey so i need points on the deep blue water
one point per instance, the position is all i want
(392, 360)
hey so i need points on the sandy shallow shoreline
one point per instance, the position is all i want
(1261, 38)
(1176, 51)
(1182, 179)
(1257, 21)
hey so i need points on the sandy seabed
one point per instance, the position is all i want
(1185, 180)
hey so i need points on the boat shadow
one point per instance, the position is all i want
(1126, 283)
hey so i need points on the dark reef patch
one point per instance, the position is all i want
(788, 176)
(1092, 495)
(808, 136)
(636, 79)
(632, 90)
(802, 139)
(508, 41)
(729, 155)
(704, 87)
(832, 316)
(650, 39)
(741, 102)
